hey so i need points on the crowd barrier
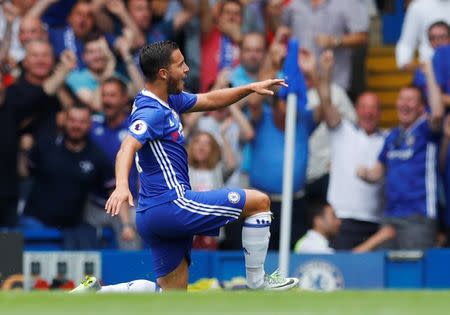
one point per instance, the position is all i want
(379, 270)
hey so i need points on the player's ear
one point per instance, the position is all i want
(163, 74)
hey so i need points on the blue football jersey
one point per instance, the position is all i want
(162, 161)
(409, 157)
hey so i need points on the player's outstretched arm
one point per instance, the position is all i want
(121, 194)
(224, 97)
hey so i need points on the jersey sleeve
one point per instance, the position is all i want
(183, 101)
(146, 124)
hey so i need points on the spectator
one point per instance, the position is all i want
(36, 90)
(237, 129)
(263, 16)
(252, 53)
(323, 226)
(219, 40)
(266, 170)
(30, 99)
(151, 30)
(118, 10)
(357, 204)
(319, 143)
(16, 9)
(9, 12)
(107, 133)
(101, 64)
(207, 170)
(438, 35)
(408, 164)
(64, 171)
(81, 26)
(419, 16)
(335, 24)
(31, 28)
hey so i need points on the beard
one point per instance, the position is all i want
(75, 140)
(173, 86)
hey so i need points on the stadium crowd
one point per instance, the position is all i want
(70, 69)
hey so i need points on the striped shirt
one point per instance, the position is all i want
(162, 160)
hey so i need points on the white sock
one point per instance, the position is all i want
(142, 286)
(255, 241)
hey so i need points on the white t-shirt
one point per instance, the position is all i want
(419, 16)
(205, 180)
(313, 243)
(351, 197)
(209, 124)
(319, 143)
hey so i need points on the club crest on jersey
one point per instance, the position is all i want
(233, 197)
(86, 166)
(139, 127)
(410, 140)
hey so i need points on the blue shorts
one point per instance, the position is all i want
(169, 228)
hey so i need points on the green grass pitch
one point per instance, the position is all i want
(233, 303)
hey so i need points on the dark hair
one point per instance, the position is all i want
(92, 37)
(315, 209)
(80, 105)
(156, 56)
(115, 80)
(224, 2)
(419, 90)
(440, 23)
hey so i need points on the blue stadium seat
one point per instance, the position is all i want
(43, 239)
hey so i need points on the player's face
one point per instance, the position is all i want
(252, 52)
(81, 19)
(368, 112)
(38, 61)
(140, 12)
(113, 100)
(438, 36)
(178, 71)
(201, 148)
(409, 106)
(94, 56)
(77, 125)
(30, 29)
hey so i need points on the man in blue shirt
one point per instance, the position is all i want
(408, 164)
(107, 133)
(169, 214)
(269, 122)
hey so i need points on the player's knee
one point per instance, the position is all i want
(263, 202)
